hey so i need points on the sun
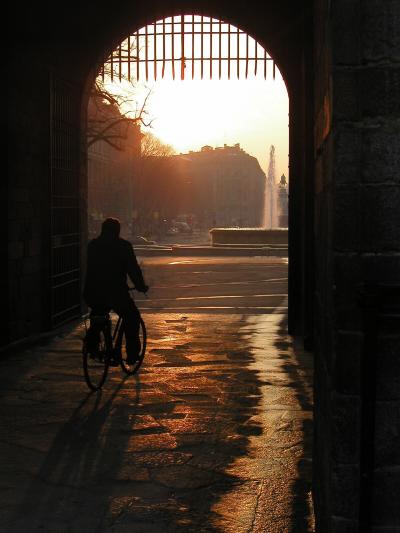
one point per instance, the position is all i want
(187, 115)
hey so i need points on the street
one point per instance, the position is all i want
(213, 435)
(243, 285)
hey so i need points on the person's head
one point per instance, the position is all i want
(111, 228)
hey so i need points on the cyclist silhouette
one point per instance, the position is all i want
(110, 259)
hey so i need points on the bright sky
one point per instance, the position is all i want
(189, 114)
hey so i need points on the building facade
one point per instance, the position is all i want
(221, 186)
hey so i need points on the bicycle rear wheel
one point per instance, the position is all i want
(95, 365)
(131, 369)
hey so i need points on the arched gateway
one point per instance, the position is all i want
(344, 244)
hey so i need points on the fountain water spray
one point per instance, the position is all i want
(270, 202)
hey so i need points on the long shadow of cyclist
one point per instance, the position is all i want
(80, 460)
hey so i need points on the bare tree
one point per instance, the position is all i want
(112, 113)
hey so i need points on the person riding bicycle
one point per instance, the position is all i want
(110, 259)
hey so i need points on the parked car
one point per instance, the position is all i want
(182, 227)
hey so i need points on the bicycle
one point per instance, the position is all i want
(110, 351)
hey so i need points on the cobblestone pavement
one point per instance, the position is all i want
(213, 435)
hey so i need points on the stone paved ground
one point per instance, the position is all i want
(213, 435)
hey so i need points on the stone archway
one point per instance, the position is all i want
(291, 48)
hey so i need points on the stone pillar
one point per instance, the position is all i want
(357, 230)
(301, 199)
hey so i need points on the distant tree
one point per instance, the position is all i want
(157, 188)
(153, 147)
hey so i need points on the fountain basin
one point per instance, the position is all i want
(249, 236)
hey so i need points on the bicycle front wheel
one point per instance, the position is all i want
(96, 364)
(132, 368)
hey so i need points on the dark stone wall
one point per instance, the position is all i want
(324, 265)
(357, 226)
(28, 210)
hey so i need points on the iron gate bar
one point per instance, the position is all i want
(192, 47)
(186, 27)
(120, 63)
(155, 52)
(129, 51)
(220, 49)
(163, 66)
(183, 48)
(229, 51)
(202, 44)
(237, 53)
(255, 55)
(265, 64)
(247, 56)
(211, 50)
(146, 52)
(69, 313)
(173, 48)
(137, 56)
(65, 283)
(112, 67)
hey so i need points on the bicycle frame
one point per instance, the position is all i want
(117, 326)
(117, 337)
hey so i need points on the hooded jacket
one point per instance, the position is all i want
(109, 261)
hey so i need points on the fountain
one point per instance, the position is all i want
(268, 235)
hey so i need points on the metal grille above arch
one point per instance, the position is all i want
(188, 46)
